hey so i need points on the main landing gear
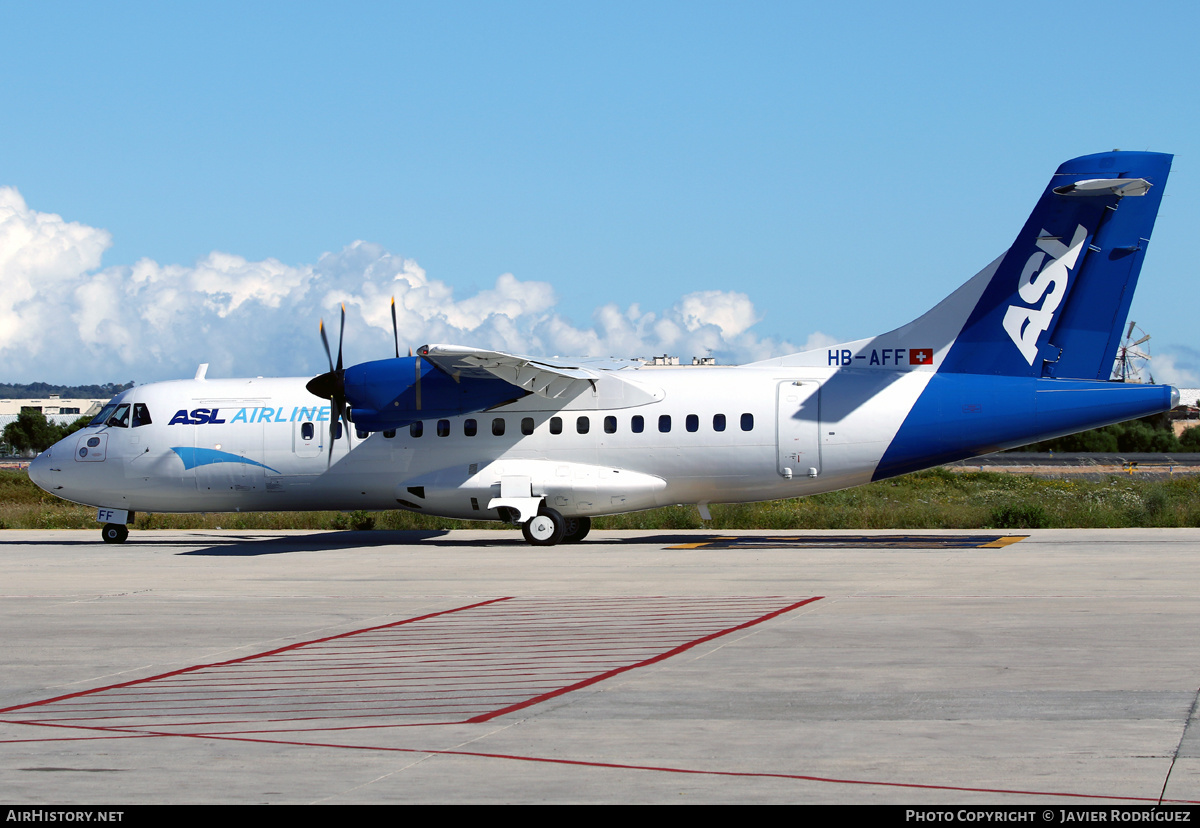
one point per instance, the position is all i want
(114, 532)
(548, 527)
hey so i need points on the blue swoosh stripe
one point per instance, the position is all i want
(193, 457)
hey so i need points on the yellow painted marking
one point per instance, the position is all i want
(1005, 541)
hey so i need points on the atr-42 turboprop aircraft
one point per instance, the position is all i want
(1021, 352)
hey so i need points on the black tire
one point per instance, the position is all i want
(577, 529)
(114, 532)
(546, 528)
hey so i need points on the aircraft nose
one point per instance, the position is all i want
(39, 469)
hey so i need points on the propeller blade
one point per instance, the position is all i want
(395, 329)
(325, 342)
(341, 334)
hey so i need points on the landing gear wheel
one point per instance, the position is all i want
(114, 532)
(577, 529)
(546, 528)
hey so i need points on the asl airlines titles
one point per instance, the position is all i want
(257, 414)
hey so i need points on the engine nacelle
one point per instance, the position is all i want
(392, 393)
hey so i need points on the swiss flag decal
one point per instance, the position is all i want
(920, 356)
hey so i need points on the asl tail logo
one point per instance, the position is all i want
(1046, 284)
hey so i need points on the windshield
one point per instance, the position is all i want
(120, 417)
(113, 415)
(102, 418)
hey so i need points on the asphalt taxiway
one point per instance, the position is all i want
(1016, 668)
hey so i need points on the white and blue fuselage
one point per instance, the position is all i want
(1021, 352)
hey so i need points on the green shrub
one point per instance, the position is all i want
(1019, 516)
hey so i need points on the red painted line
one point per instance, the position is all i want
(234, 737)
(247, 658)
(832, 780)
(389, 677)
(617, 671)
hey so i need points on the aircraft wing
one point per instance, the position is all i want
(552, 379)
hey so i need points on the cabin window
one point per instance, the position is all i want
(337, 430)
(390, 433)
(747, 422)
(306, 431)
(638, 424)
(141, 415)
(610, 425)
(443, 428)
(582, 425)
(362, 435)
(692, 423)
(416, 429)
(470, 426)
(556, 425)
(527, 425)
(664, 423)
(718, 422)
(498, 427)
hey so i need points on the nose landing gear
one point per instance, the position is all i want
(114, 532)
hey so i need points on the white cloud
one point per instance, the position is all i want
(41, 258)
(63, 318)
(1179, 367)
(818, 340)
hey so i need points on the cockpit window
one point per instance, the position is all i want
(141, 415)
(120, 417)
(102, 418)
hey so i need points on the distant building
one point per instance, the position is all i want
(57, 409)
(667, 359)
(1187, 413)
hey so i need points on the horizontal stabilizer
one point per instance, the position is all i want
(1106, 186)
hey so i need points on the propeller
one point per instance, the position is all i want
(332, 386)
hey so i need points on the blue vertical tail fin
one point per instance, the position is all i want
(1057, 301)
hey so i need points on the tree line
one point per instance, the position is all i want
(1149, 435)
(31, 432)
(42, 390)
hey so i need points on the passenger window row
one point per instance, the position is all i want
(583, 425)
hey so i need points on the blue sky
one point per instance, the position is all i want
(748, 177)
